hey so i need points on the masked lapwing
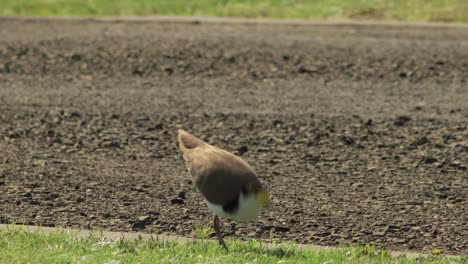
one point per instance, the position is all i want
(230, 187)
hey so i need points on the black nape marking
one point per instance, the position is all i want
(244, 190)
(231, 206)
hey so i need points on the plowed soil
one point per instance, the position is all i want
(360, 132)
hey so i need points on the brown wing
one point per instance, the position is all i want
(218, 174)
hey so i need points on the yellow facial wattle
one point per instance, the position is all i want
(262, 197)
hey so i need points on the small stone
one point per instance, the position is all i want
(420, 141)
(138, 71)
(143, 218)
(401, 120)
(347, 140)
(168, 69)
(429, 160)
(111, 144)
(93, 183)
(76, 57)
(358, 184)
(142, 222)
(75, 114)
(379, 233)
(282, 228)
(399, 240)
(181, 195)
(242, 150)
(177, 200)
(157, 126)
(306, 69)
(277, 122)
(341, 235)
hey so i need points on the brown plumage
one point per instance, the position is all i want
(218, 174)
(230, 187)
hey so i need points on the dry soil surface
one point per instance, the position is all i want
(358, 131)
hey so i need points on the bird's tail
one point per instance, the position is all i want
(187, 141)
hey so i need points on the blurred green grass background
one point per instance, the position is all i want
(387, 10)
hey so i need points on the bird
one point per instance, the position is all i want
(229, 185)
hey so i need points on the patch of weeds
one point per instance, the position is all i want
(202, 232)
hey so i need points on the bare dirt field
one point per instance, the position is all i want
(360, 132)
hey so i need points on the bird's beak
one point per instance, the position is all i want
(262, 198)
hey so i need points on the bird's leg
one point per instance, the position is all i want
(218, 232)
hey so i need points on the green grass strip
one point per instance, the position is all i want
(20, 246)
(398, 10)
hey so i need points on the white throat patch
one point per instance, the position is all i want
(248, 210)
